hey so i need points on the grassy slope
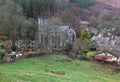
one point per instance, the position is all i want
(34, 70)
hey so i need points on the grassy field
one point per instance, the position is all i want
(54, 68)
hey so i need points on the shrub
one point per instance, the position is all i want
(2, 54)
(81, 46)
(83, 56)
(69, 46)
(90, 54)
(93, 46)
(84, 34)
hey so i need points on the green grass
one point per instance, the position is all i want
(45, 69)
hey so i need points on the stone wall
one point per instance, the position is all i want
(24, 44)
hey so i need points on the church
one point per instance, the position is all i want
(55, 36)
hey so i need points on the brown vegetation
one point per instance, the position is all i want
(113, 3)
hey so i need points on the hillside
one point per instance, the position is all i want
(104, 4)
(113, 3)
(68, 11)
(56, 68)
(97, 7)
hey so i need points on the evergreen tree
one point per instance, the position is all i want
(84, 35)
(12, 21)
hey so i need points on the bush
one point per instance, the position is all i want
(84, 34)
(90, 54)
(2, 54)
(81, 46)
(83, 56)
(93, 46)
(69, 46)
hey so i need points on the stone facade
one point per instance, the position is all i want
(55, 36)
